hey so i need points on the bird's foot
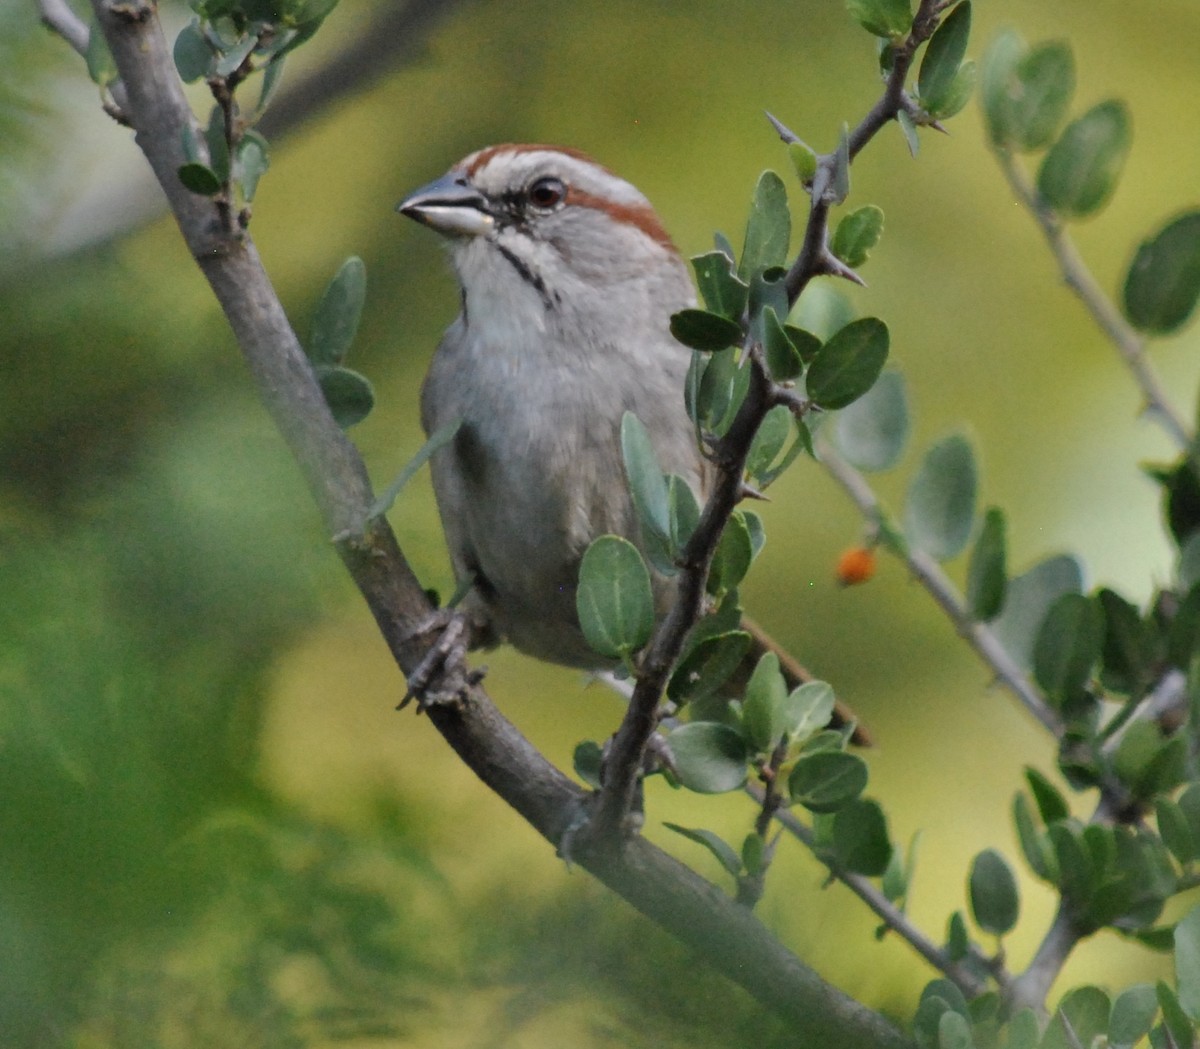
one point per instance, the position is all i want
(444, 664)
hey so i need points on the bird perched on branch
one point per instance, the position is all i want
(568, 283)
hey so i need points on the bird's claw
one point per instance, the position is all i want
(445, 660)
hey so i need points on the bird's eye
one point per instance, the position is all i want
(547, 192)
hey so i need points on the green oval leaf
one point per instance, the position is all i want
(614, 599)
(1163, 282)
(827, 780)
(720, 288)
(1068, 647)
(194, 55)
(707, 667)
(886, 18)
(200, 178)
(648, 488)
(1034, 844)
(710, 758)
(1051, 804)
(349, 395)
(939, 511)
(871, 433)
(809, 708)
(251, 162)
(783, 359)
(993, 892)
(847, 366)
(857, 234)
(987, 571)
(943, 57)
(769, 228)
(1175, 830)
(763, 706)
(957, 95)
(704, 331)
(1080, 173)
(335, 322)
(1081, 1018)
(1039, 94)
(1028, 599)
(1133, 1015)
(733, 557)
(995, 88)
(860, 837)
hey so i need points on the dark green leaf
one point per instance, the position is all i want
(721, 391)
(847, 366)
(684, 512)
(1068, 647)
(872, 432)
(200, 178)
(193, 53)
(1076, 876)
(1027, 600)
(218, 144)
(1050, 802)
(827, 780)
(783, 359)
(987, 571)
(1133, 1015)
(1175, 830)
(1183, 500)
(1176, 1020)
(1183, 635)
(860, 837)
(722, 291)
(1080, 172)
(943, 56)
(588, 760)
(755, 858)
(769, 228)
(939, 511)
(733, 557)
(954, 1032)
(806, 343)
(708, 666)
(1189, 805)
(710, 758)
(762, 465)
(1129, 645)
(857, 234)
(705, 331)
(959, 93)
(348, 394)
(1163, 282)
(335, 322)
(726, 856)
(993, 892)
(886, 18)
(958, 943)
(614, 600)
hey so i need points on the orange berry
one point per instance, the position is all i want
(855, 566)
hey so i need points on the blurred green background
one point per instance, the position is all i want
(214, 828)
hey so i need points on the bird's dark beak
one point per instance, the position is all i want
(450, 205)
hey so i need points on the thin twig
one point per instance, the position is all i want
(1079, 278)
(58, 16)
(625, 758)
(967, 981)
(930, 575)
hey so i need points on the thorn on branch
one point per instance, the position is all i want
(784, 131)
(830, 265)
